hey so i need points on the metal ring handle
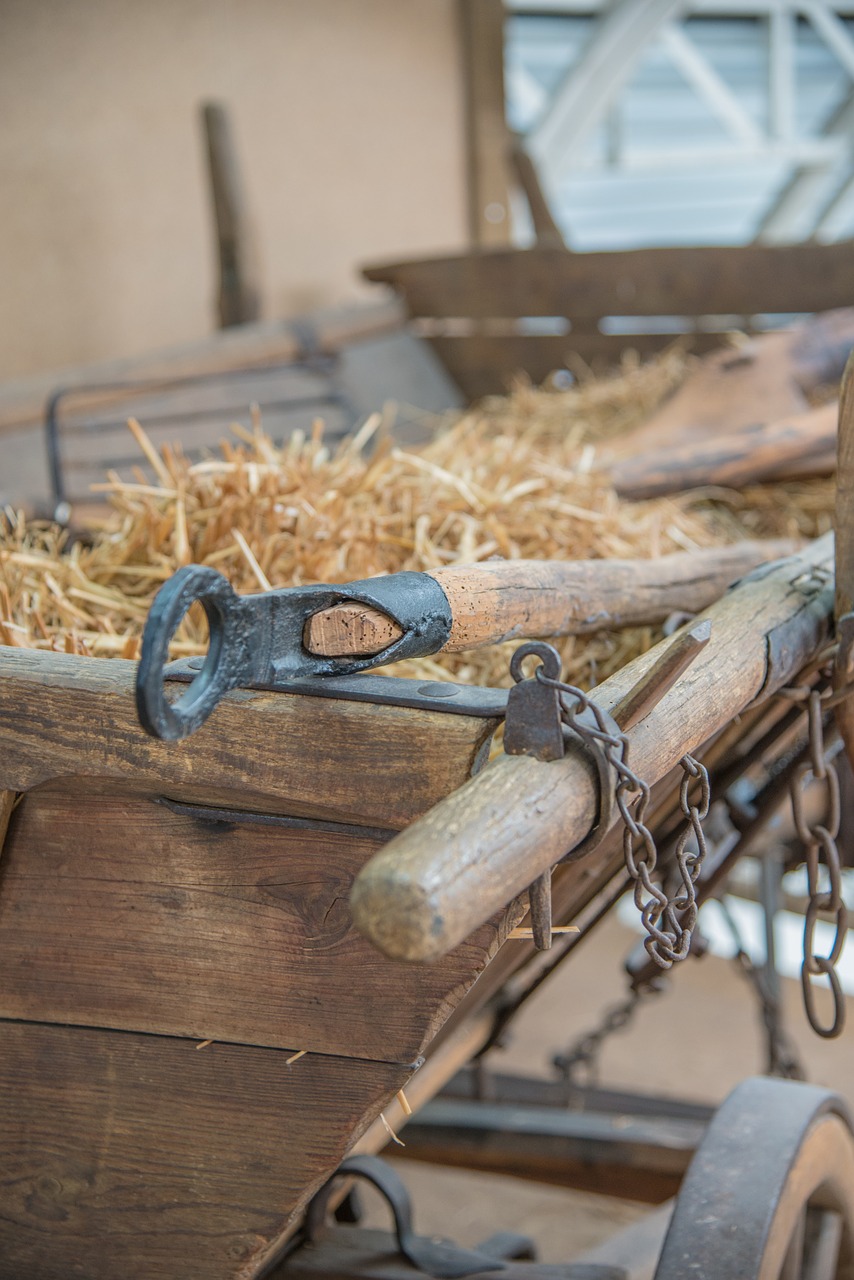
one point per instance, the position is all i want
(158, 716)
(547, 654)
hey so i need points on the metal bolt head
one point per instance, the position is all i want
(437, 689)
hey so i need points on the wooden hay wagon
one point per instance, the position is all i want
(224, 956)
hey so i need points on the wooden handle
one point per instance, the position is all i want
(433, 884)
(505, 599)
(802, 445)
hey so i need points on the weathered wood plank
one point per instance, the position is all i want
(116, 911)
(725, 391)
(684, 281)
(487, 364)
(145, 1158)
(66, 716)
(269, 342)
(796, 447)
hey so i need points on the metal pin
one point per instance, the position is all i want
(540, 902)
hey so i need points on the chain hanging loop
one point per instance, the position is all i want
(820, 853)
(668, 921)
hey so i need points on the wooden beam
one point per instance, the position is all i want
(270, 342)
(684, 281)
(616, 43)
(239, 299)
(276, 752)
(482, 38)
(546, 231)
(478, 849)
(636, 1157)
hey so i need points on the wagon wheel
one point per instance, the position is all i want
(769, 1194)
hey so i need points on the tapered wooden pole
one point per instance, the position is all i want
(504, 599)
(433, 884)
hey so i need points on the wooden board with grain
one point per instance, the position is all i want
(174, 926)
(116, 911)
(475, 307)
(66, 716)
(689, 281)
(796, 447)
(145, 1158)
(7, 804)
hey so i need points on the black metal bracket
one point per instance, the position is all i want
(535, 727)
(258, 639)
(433, 1256)
(479, 701)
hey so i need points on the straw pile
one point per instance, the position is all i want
(516, 477)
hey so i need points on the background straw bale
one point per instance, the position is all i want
(517, 476)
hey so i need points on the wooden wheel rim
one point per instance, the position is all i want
(773, 1148)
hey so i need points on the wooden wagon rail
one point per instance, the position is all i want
(485, 312)
(474, 852)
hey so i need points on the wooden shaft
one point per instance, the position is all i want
(7, 804)
(508, 599)
(455, 867)
(239, 293)
(801, 445)
(548, 234)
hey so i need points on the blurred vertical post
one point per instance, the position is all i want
(482, 37)
(239, 300)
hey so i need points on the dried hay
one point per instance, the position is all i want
(515, 477)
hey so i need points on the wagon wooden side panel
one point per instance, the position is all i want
(154, 897)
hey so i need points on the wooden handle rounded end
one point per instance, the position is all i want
(398, 915)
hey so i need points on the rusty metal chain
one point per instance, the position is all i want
(668, 920)
(583, 1054)
(820, 849)
(782, 1056)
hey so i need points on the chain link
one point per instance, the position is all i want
(668, 920)
(782, 1056)
(584, 1053)
(821, 852)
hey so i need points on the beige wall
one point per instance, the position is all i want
(348, 118)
